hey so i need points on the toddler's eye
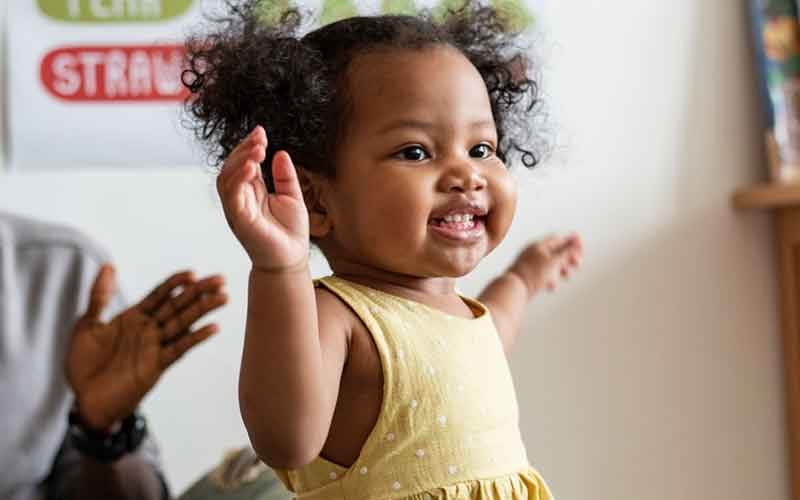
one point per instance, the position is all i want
(413, 153)
(481, 151)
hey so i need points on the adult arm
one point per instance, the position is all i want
(112, 365)
(134, 476)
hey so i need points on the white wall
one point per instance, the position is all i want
(657, 372)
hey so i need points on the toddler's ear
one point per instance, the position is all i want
(312, 186)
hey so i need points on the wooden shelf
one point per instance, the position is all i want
(768, 196)
(783, 200)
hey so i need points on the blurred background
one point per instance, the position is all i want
(655, 373)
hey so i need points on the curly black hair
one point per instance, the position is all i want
(248, 68)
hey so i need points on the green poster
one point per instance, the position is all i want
(446, 5)
(516, 10)
(333, 10)
(271, 11)
(113, 11)
(398, 7)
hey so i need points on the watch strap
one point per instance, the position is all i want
(107, 447)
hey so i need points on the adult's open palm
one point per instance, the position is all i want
(113, 365)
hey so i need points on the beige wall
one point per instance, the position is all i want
(656, 373)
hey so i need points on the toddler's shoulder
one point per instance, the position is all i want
(334, 315)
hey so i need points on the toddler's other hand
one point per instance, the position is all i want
(542, 262)
(272, 227)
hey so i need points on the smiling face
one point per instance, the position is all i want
(418, 189)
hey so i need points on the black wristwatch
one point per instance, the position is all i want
(103, 447)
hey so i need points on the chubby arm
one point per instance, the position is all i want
(536, 268)
(294, 348)
(294, 352)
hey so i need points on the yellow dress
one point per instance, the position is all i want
(448, 425)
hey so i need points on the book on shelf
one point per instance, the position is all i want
(776, 36)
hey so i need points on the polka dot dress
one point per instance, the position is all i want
(448, 427)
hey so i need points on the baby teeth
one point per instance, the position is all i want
(458, 218)
(461, 225)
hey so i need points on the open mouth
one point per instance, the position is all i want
(461, 227)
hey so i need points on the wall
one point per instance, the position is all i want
(656, 373)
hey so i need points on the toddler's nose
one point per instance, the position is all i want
(462, 177)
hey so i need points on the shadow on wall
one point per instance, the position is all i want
(662, 376)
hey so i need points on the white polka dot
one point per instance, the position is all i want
(401, 354)
(364, 471)
(396, 486)
(442, 419)
(452, 469)
(332, 476)
(390, 436)
(432, 370)
(413, 404)
(420, 453)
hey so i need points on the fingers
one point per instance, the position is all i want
(557, 244)
(178, 302)
(568, 247)
(172, 352)
(239, 180)
(163, 292)
(574, 249)
(241, 186)
(556, 256)
(232, 174)
(251, 149)
(177, 316)
(284, 176)
(103, 290)
(255, 141)
(570, 253)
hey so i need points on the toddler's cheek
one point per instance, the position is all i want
(504, 202)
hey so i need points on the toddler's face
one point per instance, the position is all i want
(418, 190)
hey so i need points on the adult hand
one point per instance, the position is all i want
(111, 366)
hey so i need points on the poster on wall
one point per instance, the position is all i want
(96, 83)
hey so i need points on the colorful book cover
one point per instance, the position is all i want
(776, 35)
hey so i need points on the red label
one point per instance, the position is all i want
(118, 73)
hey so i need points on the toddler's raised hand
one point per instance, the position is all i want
(542, 262)
(272, 227)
